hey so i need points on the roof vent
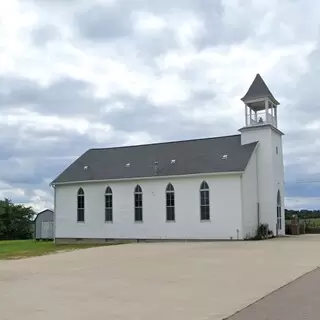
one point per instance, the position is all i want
(156, 167)
(85, 167)
(173, 161)
(128, 164)
(225, 157)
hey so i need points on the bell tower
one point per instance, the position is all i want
(260, 104)
(261, 125)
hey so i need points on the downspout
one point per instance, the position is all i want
(54, 212)
(242, 207)
(257, 178)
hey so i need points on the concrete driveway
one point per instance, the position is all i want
(199, 280)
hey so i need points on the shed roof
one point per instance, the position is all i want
(42, 212)
(210, 155)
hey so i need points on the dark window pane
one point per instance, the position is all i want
(278, 212)
(108, 190)
(138, 200)
(205, 212)
(204, 185)
(108, 201)
(81, 202)
(170, 214)
(138, 189)
(170, 199)
(170, 187)
(108, 214)
(80, 206)
(138, 204)
(80, 215)
(204, 197)
(138, 214)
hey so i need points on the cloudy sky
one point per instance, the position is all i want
(80, 74)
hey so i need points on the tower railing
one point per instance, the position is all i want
(261, 118)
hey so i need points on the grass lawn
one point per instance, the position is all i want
(18, 249)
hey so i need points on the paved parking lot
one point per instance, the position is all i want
(295, 301)
(210, 280)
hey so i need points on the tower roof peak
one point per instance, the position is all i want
(259, 89)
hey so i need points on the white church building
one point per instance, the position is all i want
(212, 188)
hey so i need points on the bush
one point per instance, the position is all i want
(262, 232)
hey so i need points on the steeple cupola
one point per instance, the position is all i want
(260, 105)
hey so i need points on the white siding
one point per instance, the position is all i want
(269, 167)
(250, 198)
(278, 173)
(225, 210)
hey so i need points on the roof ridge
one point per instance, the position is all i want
(165, 142)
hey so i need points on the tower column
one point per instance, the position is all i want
(246, 112)
(266, 104)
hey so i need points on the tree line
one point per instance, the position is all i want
(302, 214)
(15, 221)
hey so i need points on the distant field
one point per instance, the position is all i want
(18, 249)
(313, 222)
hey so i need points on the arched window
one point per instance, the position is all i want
(138, 204)
(170, 202)
(279, 221)
(204, 201)
(108, 205)
(80, 205)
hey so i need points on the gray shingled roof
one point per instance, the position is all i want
(191, 157)
(258, 89)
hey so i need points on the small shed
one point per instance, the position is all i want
(44, 225)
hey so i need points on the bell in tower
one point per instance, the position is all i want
(260, 104)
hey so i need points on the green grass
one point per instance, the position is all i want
(313, 222)
(18, 249)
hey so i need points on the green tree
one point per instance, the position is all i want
(302, 214)
(15, 220)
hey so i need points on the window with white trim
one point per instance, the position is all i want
(108, 205)
(80, 205)
(204, 202)
(279, 220)
(138, 217)
(170, 203)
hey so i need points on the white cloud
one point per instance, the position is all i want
(147, 22)
(299, 203)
